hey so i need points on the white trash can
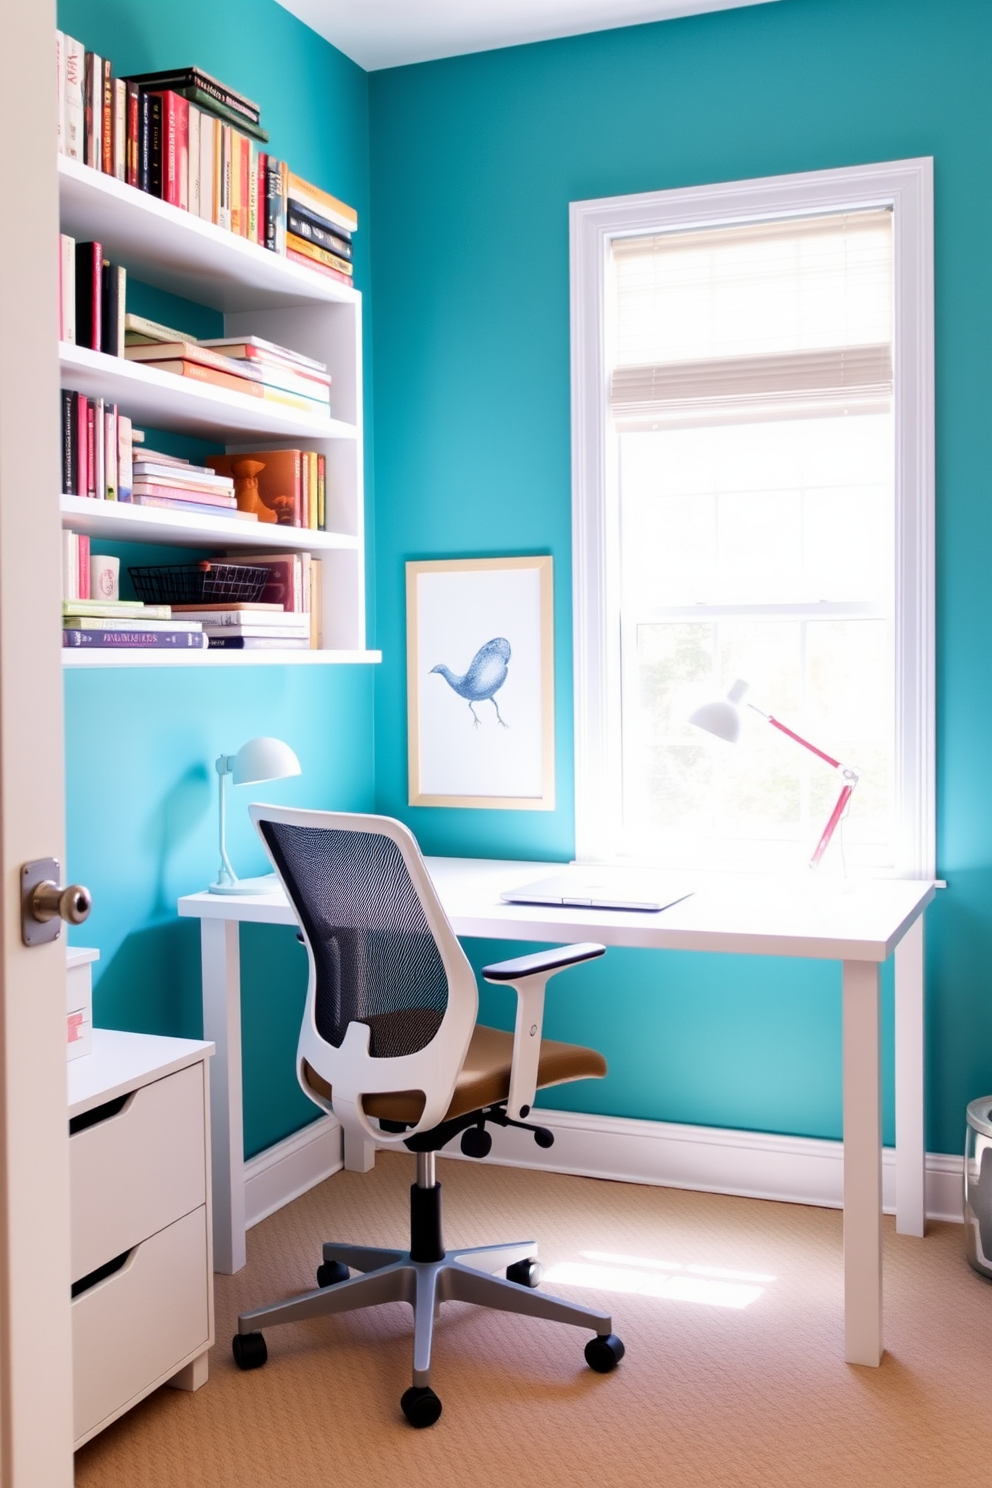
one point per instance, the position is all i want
(978, 1185)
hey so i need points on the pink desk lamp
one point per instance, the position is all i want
(722, 717)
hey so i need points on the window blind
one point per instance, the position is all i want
(785, 319)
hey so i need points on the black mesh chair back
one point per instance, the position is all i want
(376, 960)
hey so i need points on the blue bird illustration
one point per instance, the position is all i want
(484, 678)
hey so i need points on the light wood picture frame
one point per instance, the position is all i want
(480, 683)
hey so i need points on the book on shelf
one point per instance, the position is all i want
(318, 254)
(321, 203)
(90, 622)
(191, 507)
(116, 609)
(318, 268)
(305, 225)
(256, 347)
(176, 491)
(71, 78)
(118, 639)
(195, 77)
(257, 643)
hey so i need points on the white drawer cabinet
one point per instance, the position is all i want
(142, 1270)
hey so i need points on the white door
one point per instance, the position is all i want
(35, 1343)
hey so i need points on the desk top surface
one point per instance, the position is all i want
(833, 919)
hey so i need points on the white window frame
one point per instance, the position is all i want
(907, 187)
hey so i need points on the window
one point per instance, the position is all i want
(752, 451)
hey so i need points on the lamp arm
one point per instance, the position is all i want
(827, 758)
(850, 778)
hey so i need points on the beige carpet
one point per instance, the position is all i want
(709, 1394)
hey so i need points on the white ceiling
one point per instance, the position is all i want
(391, 33)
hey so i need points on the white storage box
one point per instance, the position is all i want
(79, 1000)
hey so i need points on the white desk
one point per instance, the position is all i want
(860, 925)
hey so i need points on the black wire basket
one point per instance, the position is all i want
(198, 583)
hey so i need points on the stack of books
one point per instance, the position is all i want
(176, 484)
(91, 297)
(126, 625)
(292, 483)
(242, 364)
(244, 626)
(193, 141)
(319, 229)
(97, 448)
(295, 584)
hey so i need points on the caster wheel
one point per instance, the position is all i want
(526, 1273)
(476, 1142)
(249, 1350)
(420, 1406)
(329, 1273)
(604, 1354)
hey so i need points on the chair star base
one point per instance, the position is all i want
(425, 1277)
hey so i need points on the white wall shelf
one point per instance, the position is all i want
(260, 293)
(176, 251)
(186, 406)
(122, 522)
(103, 657)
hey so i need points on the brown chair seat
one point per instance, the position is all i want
(484, 1079)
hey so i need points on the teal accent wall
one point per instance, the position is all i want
(140, 745)
(473, 163)
(461, 172)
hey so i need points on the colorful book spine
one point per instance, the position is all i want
(318, 268)
(319, 255)
(89, 294)
(107, 119)
(133, 146)
(135, 640)
(67, 288)
(75, 76)
(92, 109)
(120, 130)
(194, 117)
(275, 205)
(303, 225)
(113, 290)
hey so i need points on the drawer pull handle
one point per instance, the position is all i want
(97, 1114)
(100, 1274)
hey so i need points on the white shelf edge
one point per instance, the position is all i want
(122, 522)
(166, 241)
(73, 660)
(185, 403)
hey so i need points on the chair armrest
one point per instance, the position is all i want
(550, 961)
(528, 976)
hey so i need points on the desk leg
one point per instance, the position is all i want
(862, 1165)
(221, 963)
(910, 1109)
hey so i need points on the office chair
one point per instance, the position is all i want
(390, 1044)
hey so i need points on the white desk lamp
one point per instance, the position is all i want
(722, 717)
(260, 759)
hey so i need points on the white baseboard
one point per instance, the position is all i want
(281, 1173)
(756, 1165)
(796, 1170)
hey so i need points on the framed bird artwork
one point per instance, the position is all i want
(480, 683)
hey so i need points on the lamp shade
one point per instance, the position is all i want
(263, 759)
(722, 716)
